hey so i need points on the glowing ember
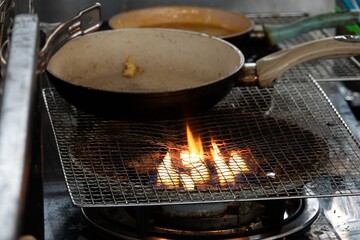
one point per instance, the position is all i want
(191, 168)
(237, 164)
(223, 170)
(167, 174)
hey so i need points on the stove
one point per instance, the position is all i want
(133, 212)
(310, 195)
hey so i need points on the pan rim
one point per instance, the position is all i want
(247, 30)
(161, 93)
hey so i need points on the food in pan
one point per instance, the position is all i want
(130, 69)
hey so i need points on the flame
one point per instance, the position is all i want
(223, 170)
(193, 158)
(237, 164)
(194, 171)
(167, 174)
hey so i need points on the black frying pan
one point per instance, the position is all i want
(231, 26)
(181, 72)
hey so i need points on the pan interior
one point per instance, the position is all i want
(212, 21)
(171, 60)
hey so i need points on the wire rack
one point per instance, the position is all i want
(271, 144)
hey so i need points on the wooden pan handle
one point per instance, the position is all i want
(270, 67)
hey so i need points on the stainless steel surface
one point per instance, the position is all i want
(15, 121)
(343, 214)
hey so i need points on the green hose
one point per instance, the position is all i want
(353, 28)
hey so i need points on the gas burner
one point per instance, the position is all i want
(243, 223)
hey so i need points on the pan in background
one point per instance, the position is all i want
(231, 26)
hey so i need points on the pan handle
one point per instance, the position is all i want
(272, 66)
(86, 21)
(279, 32)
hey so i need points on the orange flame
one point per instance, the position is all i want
(193, 158)
(195, 171)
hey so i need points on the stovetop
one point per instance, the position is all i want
(50, 213)
(338, 218)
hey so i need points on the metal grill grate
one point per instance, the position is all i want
(289, 136)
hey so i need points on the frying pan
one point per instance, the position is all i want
(233, 27)
(183, 72)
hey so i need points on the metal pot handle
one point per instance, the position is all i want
(87, 20)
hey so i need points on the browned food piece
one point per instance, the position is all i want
(130, 69)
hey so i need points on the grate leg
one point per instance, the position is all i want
(142, 220)
(274, 214)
